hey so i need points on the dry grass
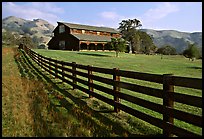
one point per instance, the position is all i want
(16, 117)
(26, 108)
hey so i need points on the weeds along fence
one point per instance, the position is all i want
(69, 72)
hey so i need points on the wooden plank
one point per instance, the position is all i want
(142, 89)
(104, 99)
(63, 68)
(44, 67)
(81, 73)
(44, 61)
(82, 81)
(82, 66)
(184, 116)
(187, 82)
(103, 89)
(141, 102)
(65, 63)
(102, 70)
(100, 97)
(65, 74)
(102, 79)
(188, 99)
(141, 76)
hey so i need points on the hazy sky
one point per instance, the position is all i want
(181, 16)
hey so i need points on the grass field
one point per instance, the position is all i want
(177, 65)
(28, 109)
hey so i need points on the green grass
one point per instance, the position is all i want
(28, 109)
(177, 65)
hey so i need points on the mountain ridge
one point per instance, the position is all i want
(42, 30)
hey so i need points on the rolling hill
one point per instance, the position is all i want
(38, 28)
(42, 30)
(178, 40)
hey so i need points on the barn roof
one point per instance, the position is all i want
(87, 37)
(88, 27)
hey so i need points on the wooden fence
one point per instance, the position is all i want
(169, 96)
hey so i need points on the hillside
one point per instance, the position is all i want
(42, 31)
(38, 28)
(178, 40)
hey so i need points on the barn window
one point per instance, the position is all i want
(61, 45)
(61, 29)
(83, 31)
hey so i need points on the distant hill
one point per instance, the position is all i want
(38, 28)
(42, 30)
(176, 39)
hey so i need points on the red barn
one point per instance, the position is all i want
(68, 36)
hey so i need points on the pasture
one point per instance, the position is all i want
(177, 65)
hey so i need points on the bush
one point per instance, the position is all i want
(192, 52)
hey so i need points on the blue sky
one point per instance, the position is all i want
(181, 16)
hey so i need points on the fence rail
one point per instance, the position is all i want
(59, 69)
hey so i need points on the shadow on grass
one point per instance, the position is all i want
(82, 112)
(98, 55)
(195, 67)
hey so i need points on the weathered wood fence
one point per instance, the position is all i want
(169, 96)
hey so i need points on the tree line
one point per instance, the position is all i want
(135, 41)
(10, 38)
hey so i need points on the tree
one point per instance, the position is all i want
(191, 52)
(136, 42)
(27, 41)
(128, 30)
(167, 50)
(118, 44)
(147, 45)
(10, 38)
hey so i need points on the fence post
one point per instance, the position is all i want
(116, 88)
(168, 101)
(90, 80)
(56, 68)
(74, 74)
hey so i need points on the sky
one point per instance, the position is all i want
(181, 16)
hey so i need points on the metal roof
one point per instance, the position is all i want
(88, 27)
(97, 38)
